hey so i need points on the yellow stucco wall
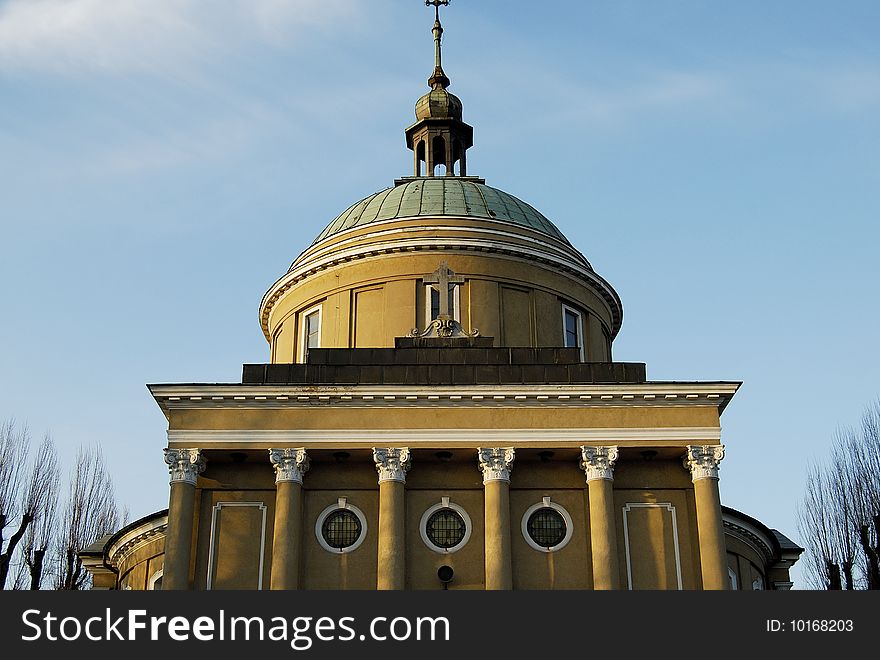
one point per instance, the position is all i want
(654, 553)
(139, 566)
(655, 524)
(351, 570)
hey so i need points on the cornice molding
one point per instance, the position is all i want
(751, 536)
(386, 231)
(206, 396)
(135, 539)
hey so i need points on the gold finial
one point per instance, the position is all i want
(439, 78)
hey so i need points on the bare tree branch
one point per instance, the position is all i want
(815, 527)
(90, 513)
(43, 498)
(839, 517)
(14, 513)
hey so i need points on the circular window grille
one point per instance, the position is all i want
(445, 528)
(341, 529)
(546, 527)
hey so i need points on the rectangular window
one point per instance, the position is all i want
(313, 330)
(432, 303)
(310, 331)
(572, 329)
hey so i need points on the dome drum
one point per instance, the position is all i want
(370, 302)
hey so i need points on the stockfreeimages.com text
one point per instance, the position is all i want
(300, 632)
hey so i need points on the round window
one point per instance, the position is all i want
(445, 528)
(547, 526)
(341, 528)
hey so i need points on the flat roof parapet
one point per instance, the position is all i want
(444, 366)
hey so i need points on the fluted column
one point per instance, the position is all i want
(703, 461)
(598, 464)
(392, 464)
(185, 466)
(496, 464)
(290, 466)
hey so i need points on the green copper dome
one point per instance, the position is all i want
(439, 196)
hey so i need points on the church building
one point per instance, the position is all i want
(441, 410)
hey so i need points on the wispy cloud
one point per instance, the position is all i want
(75, 36)
(843, 87)
(751, 93)
(662, 89)
(562, 96)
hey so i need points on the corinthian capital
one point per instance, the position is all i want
(496, 463)
(392, 463)
(185, 465)
(290, 464)
(598, 462)
(703, 460)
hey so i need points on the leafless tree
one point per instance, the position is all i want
(42, 542)
(839, 517)
(40, 538)
(866, 464)
(14, 442)
(28, 494)
(90, 513)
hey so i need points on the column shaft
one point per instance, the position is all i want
(603, 535)
(185, 466)
(392, 563)
(392, 464)
(178, 537)
(287, 540)
(499, 573)
(598, 464)
(713, 550)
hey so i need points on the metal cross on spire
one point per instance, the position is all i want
(437, 4)
(439, 78)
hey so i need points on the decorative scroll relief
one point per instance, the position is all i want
(290, 464)
(496, 463)
(598, 462)
(703, 461)
(392, 463)
(185, 465)
(444, 327)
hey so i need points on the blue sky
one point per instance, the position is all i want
(163, 161)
